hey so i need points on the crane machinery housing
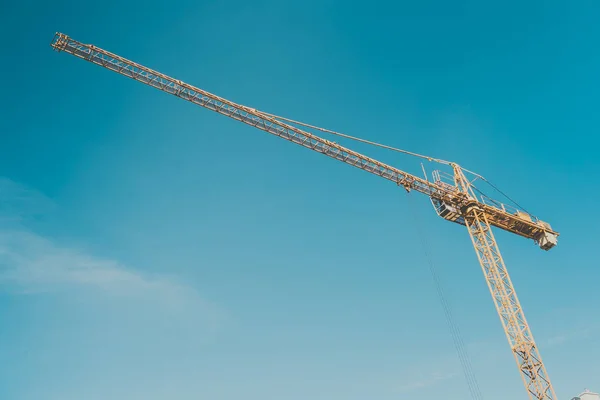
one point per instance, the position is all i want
(453, 196)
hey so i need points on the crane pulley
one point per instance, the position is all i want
(454, 200)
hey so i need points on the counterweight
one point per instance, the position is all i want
(456, 202)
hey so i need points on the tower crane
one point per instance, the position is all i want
(453, 196)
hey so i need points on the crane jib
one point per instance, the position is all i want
(242, 113)
(497, 217)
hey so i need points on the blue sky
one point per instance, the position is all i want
(151, 249)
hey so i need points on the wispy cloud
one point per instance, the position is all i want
(428, 372)
(444, 368)
(569, 336)
(19, 203)
(31, 263)
(427, 380)
(35, 263)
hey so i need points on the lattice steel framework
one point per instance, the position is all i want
(457, 203)
(508, 306)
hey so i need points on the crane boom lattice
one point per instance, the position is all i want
(456, 202)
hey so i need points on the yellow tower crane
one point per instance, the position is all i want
(454, 200)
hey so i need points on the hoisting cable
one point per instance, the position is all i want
(454, 329)
(355, 138)
(369, 142)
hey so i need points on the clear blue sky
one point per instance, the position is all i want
(151, 249)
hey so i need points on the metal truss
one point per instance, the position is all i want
(509, 309)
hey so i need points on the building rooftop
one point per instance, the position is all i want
(587, 395)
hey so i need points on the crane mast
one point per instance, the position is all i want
(532, 369)
(455, 202)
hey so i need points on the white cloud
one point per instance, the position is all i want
(19, 203)
(31, 263)
(575, 334)
(485, 355)
(427, 380)
(428, 372)
(35, 263)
